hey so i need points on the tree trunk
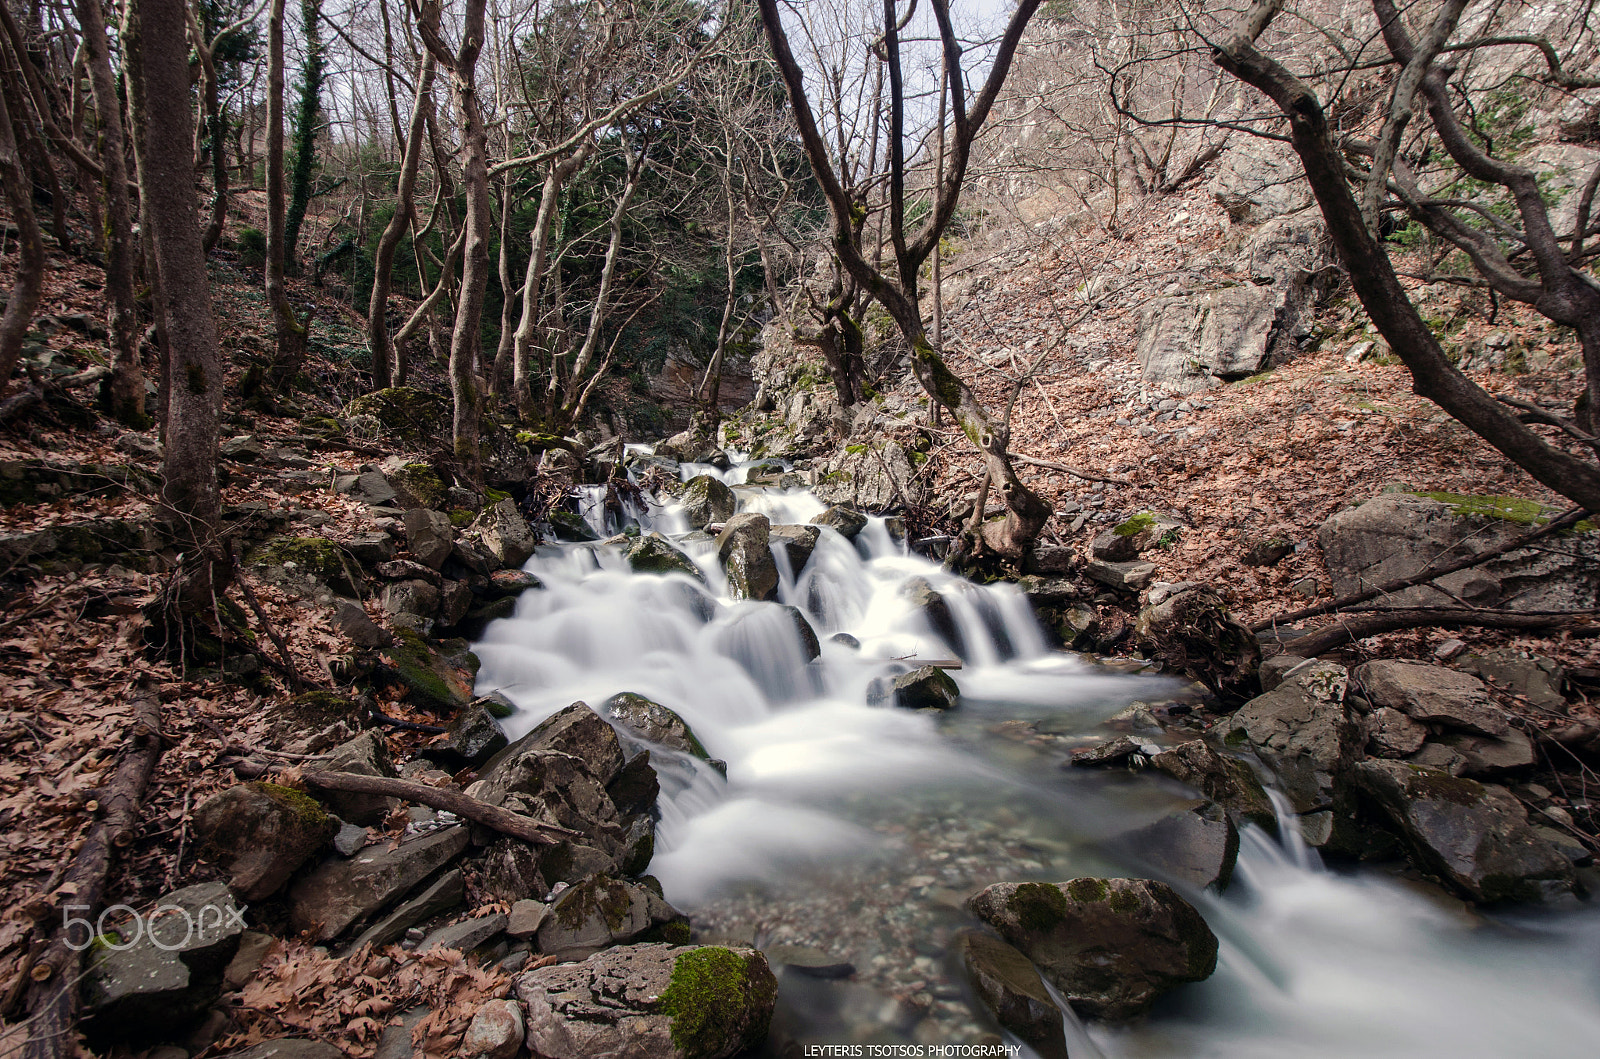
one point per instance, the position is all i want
(305, 130)
(28, 284)
(122, 394)
(560, 172)
(405, 212)
(290, 331)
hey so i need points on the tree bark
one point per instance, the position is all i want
(122, 393)
(305, 130)
(289, 329)
(1351, 628)
(523, 342)
(28, 284)
(452, 801)
(405, 213)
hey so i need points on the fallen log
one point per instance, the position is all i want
(52, 999)
(1555, 525)
(502, 820)
(1352, 627)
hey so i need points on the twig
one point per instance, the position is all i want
(295, 680)
(1360, 626)
(1092, 476)
(503, 820)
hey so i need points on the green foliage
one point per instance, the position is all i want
(252, 248)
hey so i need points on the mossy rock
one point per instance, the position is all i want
(313, 710)
(569, 526)
(316, 557)
(412, 417)
(422, 483)
(321, 426)
(1516, 509)
(654, 554)
(438, 676)
(720, 1001)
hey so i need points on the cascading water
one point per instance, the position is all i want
(860, 829)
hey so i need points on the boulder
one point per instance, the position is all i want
(569, 525)
(429, 899)
(842, 520)
(654, 723)
(1010, 987)
(600, 912)
(1225, 780)
(1195, 846)
(1112, 946)
(1473, 837)
(1487, 755)
(351, 619)
(652, 553)
(1305, 733)
(688, 446)
(472, 737)
(259, 833)
(456, 598)
(746, 555)
(1431, 694)
(1114, 753)
(935, 610)
(415, 418)
(415, 484)
(874, 476)
(706, 500)
(430, 536)
(465, 935)
(495, 1032)
(1534, 677)
(338, 893)
(365, 755)
(797, 542)
(506, 534)
(170, 968)
(1398, 535)
(924, 688)
(650, 1002)
(438, 676)
(525, 918)
(1257, 180)
(1394, 735)
(1129, 576)
(1186, 343)
(411, 605)
(1136, 535)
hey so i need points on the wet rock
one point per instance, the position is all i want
(1225, 780)
(1432, 694)
(600, 912)
(495, 1031)
(506, 534)
(1394, 735)
(1115, 753)
(1129, 577)
(688, 446)
(707, 500)
(1304, 732)
(1134, 536)
(797, 542)
(466, 934)
(287, 1048)
(1474, 837)
(259, 833)
(429, 535)
(654, 554)
(650, 1002)
(365, 755)
(351, 619)
(569, 525)
(1194, 846)
(471, 738)
(412, 605)
(428, 900)
(330, 899)
(170, 973)
(843, 520)
(746, 556)
(846, 639)
(924, 688)
(655, 723)
(439, 676)
(510, 583)
(1190, 628)
(935, 609)
(1534, 677)
(1010, 987)
(636, 786)
(809, 961)
(1112, 946)
(1397, 535)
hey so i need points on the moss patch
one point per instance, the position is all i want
(1040, 907)
(306, 808)
(1507, 508)
(1087, 891)
(1137, 524)
(429, 674)
(422, 483)
(415, 418)
(712, 992)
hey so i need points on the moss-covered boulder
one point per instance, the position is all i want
(412, 417)
(842, 520)
(259, 833)
(416, 484)
(316, 558)
(1225, 780)
(569, 526)
(743, 548)
(438, 676)
(924, 688)
(654, 554)
(599, 912)
(707, 500)
(1112, 946)
(652, 1001)
(1135, 535)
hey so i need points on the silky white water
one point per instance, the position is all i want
(860, 829)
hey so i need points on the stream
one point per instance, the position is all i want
(860, 830)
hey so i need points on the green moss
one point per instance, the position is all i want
(1088, 891)
(438, 680)
(414, 417)
(1441, 786)
(462, 517)
(712, 990)
(307, 808)
(676, 932)
(317, 556)
(1137, 524)
(1039, 906)
(1510, 508)
(855, 450)
(494, 496)
(1122, 902)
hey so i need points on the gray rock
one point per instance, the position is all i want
(471, 738)
(1258, 180)
(1134, 536)
(1269, 551)
(349, 839)
(413, 604)
(173, 969)
(746, 555)
(288, 1048)
(797, 542)
(654, 554)
(409, 570)
(1130, 576)
(339, 892)
(599, 912)
(1398, 534)
(1278, 668)
(1012, 990)
(874, 477)
(455, 599)
(1305, 733)
(1475, 838)
(622, 1004)
(809, 961)
(1534, 677)
(707, 500)
(365, 755)
(688, 446)
(259, 833)
(1394, 735)
(1185, 343)
(506, 534)
(1112, 946)
(655, 723)
(1431, 693)
(843, 520)
(465, 934)
(1487, 755)
(495, 1031)
(1195, 846)
(370, 548)
(446, 892)
(351, 619)
(1225, 780)
(935, 610)
(430, 536)
(526, 917)
(248, 958)
(1114, 753)
(370, 487)
(395, 1040)
(925, 688)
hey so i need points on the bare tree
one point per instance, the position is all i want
(29, 282)
(287, 325)
(1026, 513)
